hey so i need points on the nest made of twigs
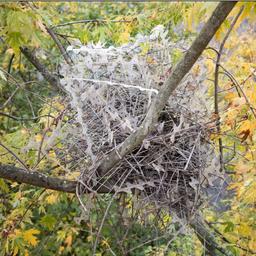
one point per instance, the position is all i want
(167, 171)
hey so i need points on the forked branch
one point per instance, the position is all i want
(171, 83)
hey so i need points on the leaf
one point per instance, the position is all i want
(68, 240)
(230, 227)
(2, 75)
(3, 186)
(51, 199)
(29, 236)
(48, 221)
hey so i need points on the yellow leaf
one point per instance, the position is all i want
(124, 37)
(244, 229)
(61, 249)
(68, 240)
(29, 236)
(104, 242)
(15, 250)
(252, 244)
(248, 125)
(89, 238)
(10, 51)
(230, 96)
(73, 175)
(38, 138)
(241, 168)
(51, 199)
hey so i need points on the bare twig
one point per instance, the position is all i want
(10, 98)
(52, 79)
(19, 119)
(89, 21)
(216, 84)
(59, 45)
(13, 154)
(240, 88)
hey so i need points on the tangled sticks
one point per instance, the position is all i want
(111, 90)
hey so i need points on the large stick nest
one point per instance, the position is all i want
(111, 90)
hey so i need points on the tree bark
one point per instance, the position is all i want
(36, 178)
(39, 179)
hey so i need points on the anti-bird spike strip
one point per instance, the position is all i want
(110, 90)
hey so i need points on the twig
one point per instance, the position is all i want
(12, 153)
(10, 65)
(89, 21)
(240, 88)
(216, 84)
(59, 45)
(23, 119)
(49, 77)
(10, 98)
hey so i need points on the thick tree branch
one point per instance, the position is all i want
(177, 74)
(35, 178)
(50, 78)
(39, 179)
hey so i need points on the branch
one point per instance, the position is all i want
(35, 178)
(59, 45)
(89, 21)
(19, 119)
(216, 85)
(207, 237)
(177, 74)
(52, 79)
(39, 179)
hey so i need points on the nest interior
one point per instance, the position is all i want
(166, 171)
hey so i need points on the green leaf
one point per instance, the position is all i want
(229, 227)
(48, 221)
(3, 186)
(2, 76)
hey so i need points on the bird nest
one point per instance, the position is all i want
(111, 89)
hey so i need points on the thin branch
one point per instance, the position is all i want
(89, 21)
(10, 98)
(216, 85)
(13, 154)
(59, 45)
(49, 77)
(207, 237)
(19, 119)
(240, 88)
(10, 65)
